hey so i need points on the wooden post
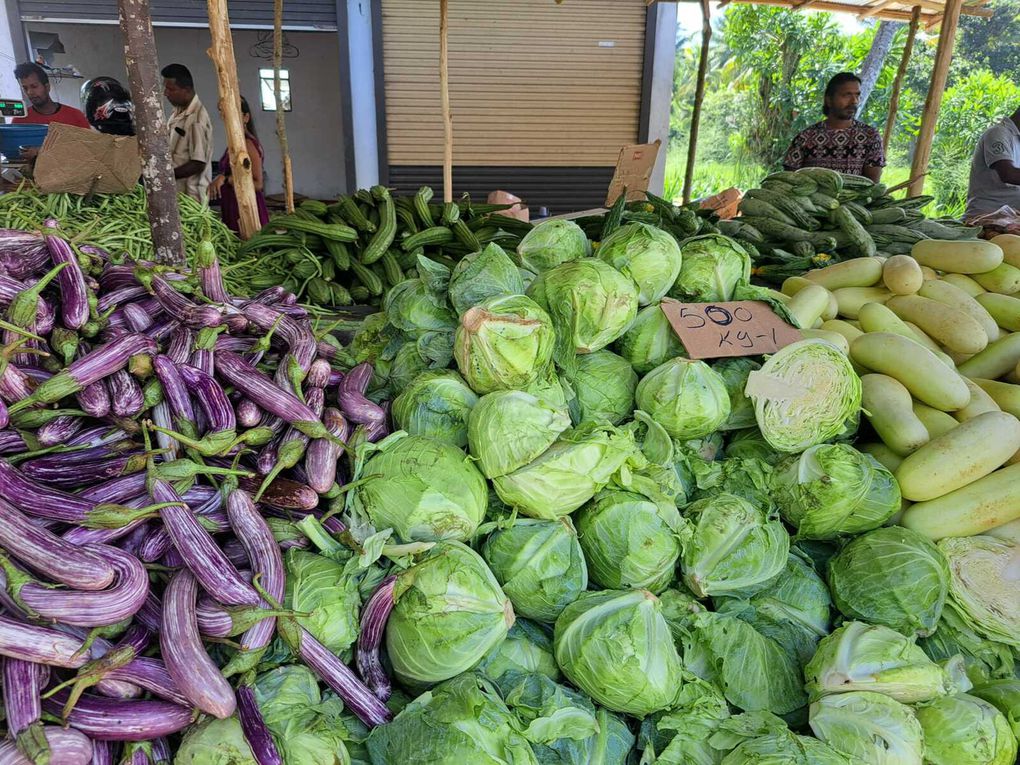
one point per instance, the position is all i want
(444, 95)
(153, 141)
(222, 54)
(281, 126)
(894, 99)
(699, 96)
(932, 104)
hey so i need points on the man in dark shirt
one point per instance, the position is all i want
(839, 142)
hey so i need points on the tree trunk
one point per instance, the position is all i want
(875, 60)
(153, 142)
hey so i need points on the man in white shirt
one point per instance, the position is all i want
(190, 133)
(995, 170)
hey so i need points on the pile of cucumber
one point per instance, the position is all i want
(350, 252)
(803, 219)
(935, 336)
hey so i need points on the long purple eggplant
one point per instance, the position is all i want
(74, 297)
(40, 645)
(114, 491)
(161, 754)
(200, 552)
(322, 455)
(44, 314)
(115, 720)
(122, 296)
(152, 675)
(91, 368)
(66, 746)
(76, 474)
(264, 553)
(11, 442)
(94, 399)
(210, 397)
(161, 416)
(255, 731)
(199, 679)
(15, 385)
(297, 335)
(89, 608)
(373, 624)
(181, 308)
(337, 675)
(125, 394)
(59, 431)
(209, 277)
(178, 350)
(49, 554)
(283, 493)
(175, 393)
(22, 686)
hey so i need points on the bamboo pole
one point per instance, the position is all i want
(699, 96)
(222, 54)
(444, 94)
(932, 104)
(153, 140)
(894, 98)
(281, 123)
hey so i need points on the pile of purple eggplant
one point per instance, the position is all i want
(151, 428)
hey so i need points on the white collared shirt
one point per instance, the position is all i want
(191, 138)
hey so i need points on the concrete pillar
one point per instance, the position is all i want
(13, 48)
(661, 91)
(361, 120)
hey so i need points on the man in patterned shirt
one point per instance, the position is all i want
(840, 141)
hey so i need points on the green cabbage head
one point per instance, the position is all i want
(503, 343)
(436, 404)
(986, 660)
(805, 394)
(510, 428)
(686, 397)
(552, 243)
(869, 727)
(734, 374)
(615, 646)
(464, 720)
(647, 254)
(630, 541)
(415, 308)
(735, 548)
(1004, 695)
(424, 489)
(590, 302)
(713, 267)
(865, 657)
(568, 473)
(603, 385)
(650, 341)
(983, 587)
(327, 596)
(539, 565)
(483, 275)
(833, 490)
(784, 748)
(450, 611)
(528, 649)
(892, 576)
(215, 742)
(966, 730)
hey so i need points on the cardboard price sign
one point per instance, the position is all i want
(738, 328)
(634, 169)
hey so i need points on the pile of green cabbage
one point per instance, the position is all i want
(606, 552)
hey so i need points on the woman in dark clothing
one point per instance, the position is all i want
(221, 187)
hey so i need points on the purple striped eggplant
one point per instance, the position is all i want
(78, 474)
(180, 307)
(10, 289)
(200, 552)
(337, 675)
(152, 675)
(264, 553)
(150, 615)
(41, 645)
(319, 374)
(91, 368)
(15, 385)
(59, 431)
(136, 317)
(373, 624)
(74, 295)
(297, 335)
(66, 746)
(182, 340)
(209, 277)
(114, 491)
(88, 608)
(175, 393)
(50, 555)
(283, 493)
(120, 297)
(210, 397)
(161, 754)
(199, 679)
(259, 388)
(94, 399)
(162, 418)
(254, 726)
(116, 720)
(248, 413)
(125, 394)
(11, 442)
(322, 455)
(22, 684)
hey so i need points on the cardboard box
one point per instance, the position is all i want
(633, 171)
(80, 161)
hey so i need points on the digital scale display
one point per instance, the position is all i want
(10, 107)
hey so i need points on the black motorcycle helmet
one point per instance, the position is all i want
(108, 107)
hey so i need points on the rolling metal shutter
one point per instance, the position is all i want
(543, 95)
(302, 14)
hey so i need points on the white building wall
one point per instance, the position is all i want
(314, 127)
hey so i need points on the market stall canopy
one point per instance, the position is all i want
(893, 10)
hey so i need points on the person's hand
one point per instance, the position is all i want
(216, 186)
(29, 152)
